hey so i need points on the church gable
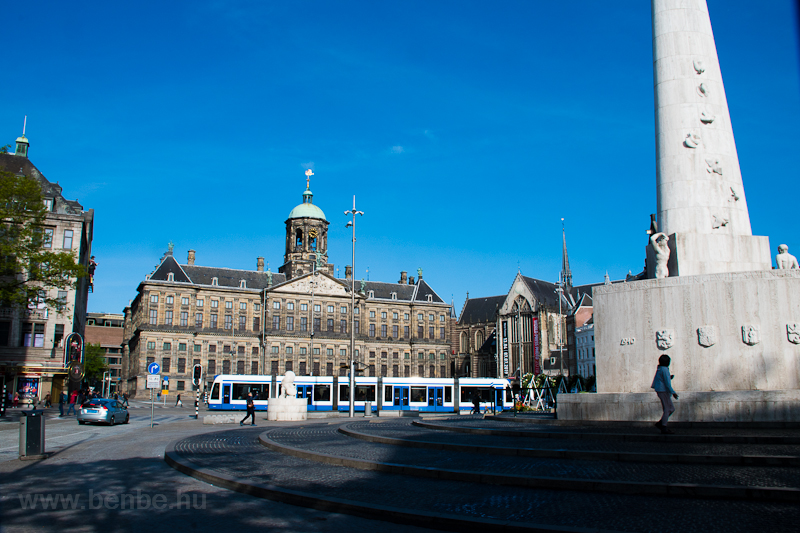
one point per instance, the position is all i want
(324, 285)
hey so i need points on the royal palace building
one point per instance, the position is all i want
(233, 321)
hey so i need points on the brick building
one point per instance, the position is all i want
(106, 330)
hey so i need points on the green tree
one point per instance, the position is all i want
(94, 362)
(29, 268)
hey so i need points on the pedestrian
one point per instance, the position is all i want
(178, 402)
(47, 400)
(476, 404)
(125, 399)
(16, 399)
(251, 410)
(662, 384)
(72, 399)
(62, 400)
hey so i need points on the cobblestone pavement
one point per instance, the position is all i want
(84, 485)
(326, 439)
(404, 429)
(238, 453)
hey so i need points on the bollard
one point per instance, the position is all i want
(31, 434)
(197, 405)
(5, 396)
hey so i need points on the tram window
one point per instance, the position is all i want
(240, 391)
(448, 394)
(365, 393)
(344, 393)
(485, 394)
(387, 393)
(418, 394)
(322, 393)
(215, 392)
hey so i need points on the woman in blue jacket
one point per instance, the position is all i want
(662, 383)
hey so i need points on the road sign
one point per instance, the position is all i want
(154, 368)
(166, 378)
(153, 381)
(164, 392)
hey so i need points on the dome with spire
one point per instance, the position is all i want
(307, 209)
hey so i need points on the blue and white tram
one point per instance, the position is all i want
(328, 393)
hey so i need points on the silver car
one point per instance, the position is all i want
(103, 410)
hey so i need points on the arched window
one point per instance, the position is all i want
(298, 241)
(464, 342)
(479, 340)
(170, 277)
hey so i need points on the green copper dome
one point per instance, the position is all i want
(307, 209)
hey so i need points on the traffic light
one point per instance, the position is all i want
(198, 374)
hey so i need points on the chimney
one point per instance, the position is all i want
(403, 278)
(411, 280)
(348, 272)
(260, 264)
(190, 259)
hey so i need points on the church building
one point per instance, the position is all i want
(234, 321)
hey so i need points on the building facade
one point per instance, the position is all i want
(32, 340)
(106, 329)
(258, 322)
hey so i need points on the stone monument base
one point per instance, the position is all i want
(723, 406)
(287, 409)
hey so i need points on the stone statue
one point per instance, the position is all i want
(660, 245)
(363, 286)
(784, 259)
(320, 263)
(419, 273)
(288, 388)
(269, 278)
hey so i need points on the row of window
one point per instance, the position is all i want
(200, 302)
(212, 348)
(213, 322)
(69, 236)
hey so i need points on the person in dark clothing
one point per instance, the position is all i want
(251, 410)
(62, 400)
(476, 404)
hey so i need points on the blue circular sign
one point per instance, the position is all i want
(153, 368)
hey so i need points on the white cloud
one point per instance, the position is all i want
(397, 149)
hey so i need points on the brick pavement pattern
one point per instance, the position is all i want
(239, 454)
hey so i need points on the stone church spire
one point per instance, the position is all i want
(566, 273)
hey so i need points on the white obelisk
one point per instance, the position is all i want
(700, 194)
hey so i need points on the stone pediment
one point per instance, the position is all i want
(323, 285)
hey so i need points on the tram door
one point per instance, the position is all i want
(498, 399)
(226, 393)
(401, 397)
(436, 398)
(304, 391)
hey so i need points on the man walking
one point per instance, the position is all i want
(62, 400)
(662, 384)
(251, 409)
(72, 399)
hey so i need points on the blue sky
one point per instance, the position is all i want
(466, 130)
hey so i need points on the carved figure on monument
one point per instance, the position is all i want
(734, 196)
(793, 333)
(660, 245)
(664, 339)
(698, 66)
(702, 90)
(692, 140)
(288, 388)
(751, 334)
(714, 166)
(784, 260)
(719, 222)
(707, 336)
(706, 117)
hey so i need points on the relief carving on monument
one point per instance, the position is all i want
(664, 339)
(734, 196)
(793, 333)
(714, 166)
(707, 336)
(692, 140)
(702, 90)
(751, 334)
(707, 117)
(627, 341)
(699, 67)
(719, 222)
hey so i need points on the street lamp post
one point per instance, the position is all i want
(352, 224)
